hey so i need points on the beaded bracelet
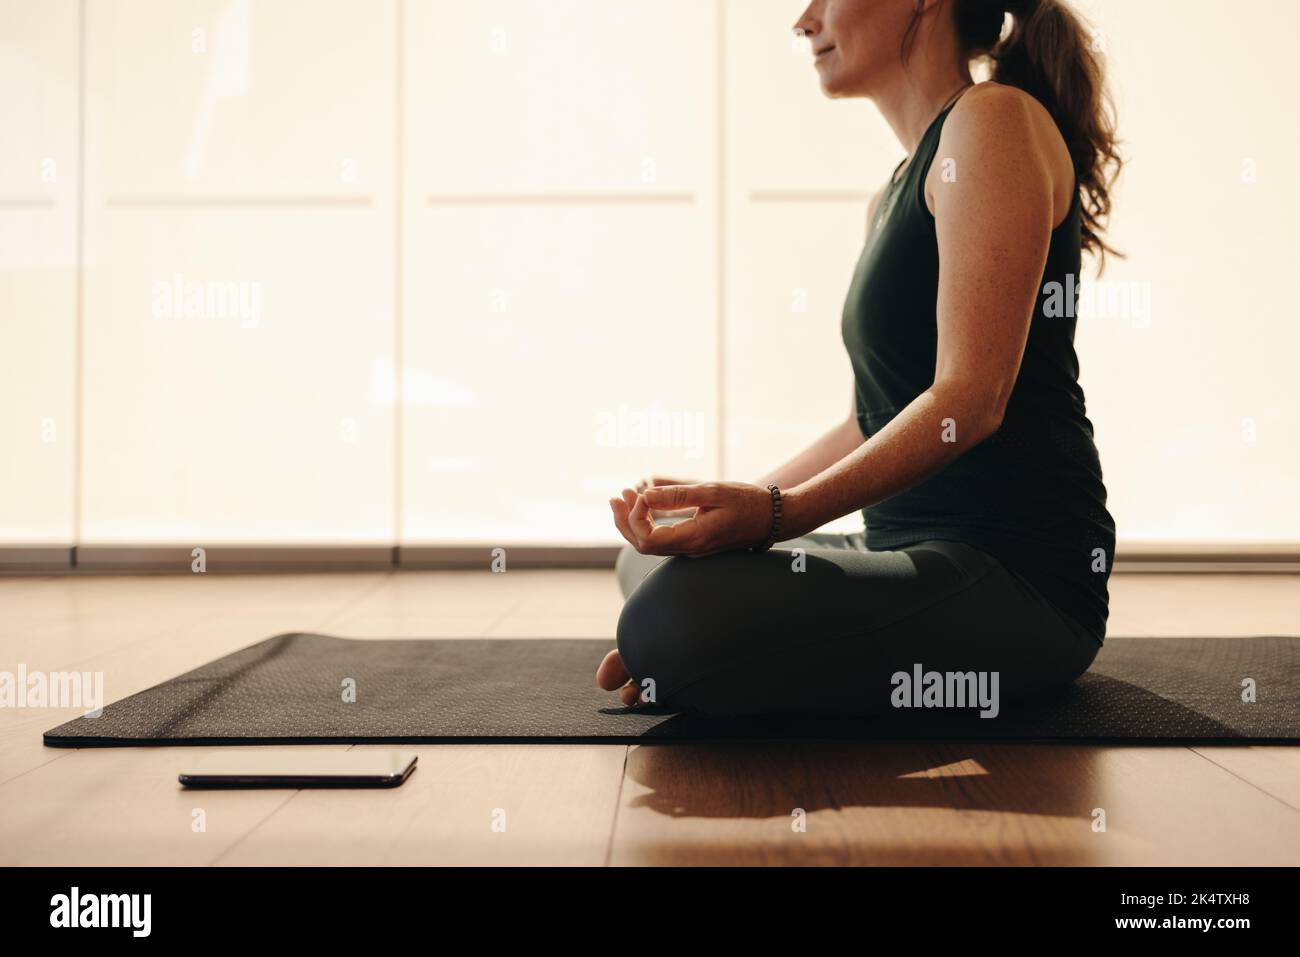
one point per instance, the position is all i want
(776, 521)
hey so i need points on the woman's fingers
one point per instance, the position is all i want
(660, 513)
(620, 510)
(658, 481)
(663, 537)
(639, 515)
(694, 536)
(683, 496)
(634, 519)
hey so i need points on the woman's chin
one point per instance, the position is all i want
(832, 85)
(837, 83)
(832, 89)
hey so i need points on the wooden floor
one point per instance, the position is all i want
(884, 803)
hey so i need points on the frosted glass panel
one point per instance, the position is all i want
(1189, 358)
(429, 271)
(560, 311)
(38, 216)
(566, 95)
(240, 97)
(238, 383)
(554, 356)
(239, 317)
(788, 376)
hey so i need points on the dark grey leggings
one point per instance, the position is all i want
(743, 633)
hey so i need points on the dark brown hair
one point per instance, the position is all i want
(1049, 54)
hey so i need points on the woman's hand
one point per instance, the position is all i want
(657, 480)
(728, 516)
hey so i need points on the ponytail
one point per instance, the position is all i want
(1051, 55)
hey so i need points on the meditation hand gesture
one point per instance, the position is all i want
(724, 516)
(655, 481)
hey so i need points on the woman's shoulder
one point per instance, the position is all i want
(992, 111)
(995, 122)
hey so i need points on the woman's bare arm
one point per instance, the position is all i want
(993, 227)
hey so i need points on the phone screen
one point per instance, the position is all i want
(314, 767)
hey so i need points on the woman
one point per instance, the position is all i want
(988, 545)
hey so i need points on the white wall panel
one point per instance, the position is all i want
(788, 376)
(242, 97)
(560, 313)
(557, 250)
(264, 416)
(1194, 395)
(561, 96)
(253, 173)
(38, 236)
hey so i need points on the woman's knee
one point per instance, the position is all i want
(664, 628)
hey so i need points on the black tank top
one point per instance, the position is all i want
(1031, 494)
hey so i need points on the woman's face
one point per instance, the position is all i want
(855, 42)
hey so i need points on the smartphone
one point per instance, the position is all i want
(323, 768)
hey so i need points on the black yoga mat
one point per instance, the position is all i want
(290, 689)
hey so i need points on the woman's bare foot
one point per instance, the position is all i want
(612, 675)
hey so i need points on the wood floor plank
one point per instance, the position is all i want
(464, 805)
(943, 804)
(546, 593)
(132, 666)
(434, 604)
(124, 806)
(83, 617)
(1228, 605)
(555, 626)
(21, 747)
(1274, 769)
(870, 803)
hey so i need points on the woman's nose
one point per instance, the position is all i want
(807, 25)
